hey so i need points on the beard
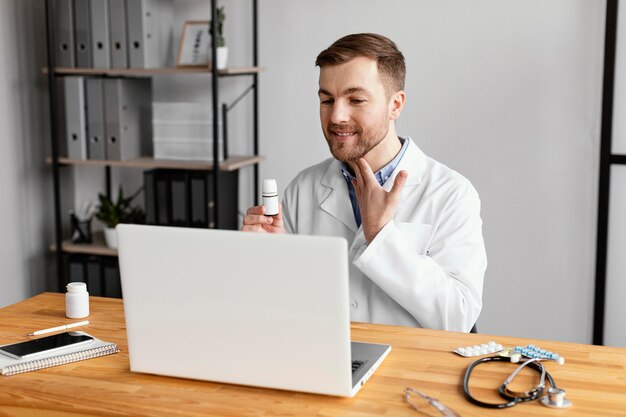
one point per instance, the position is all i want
(365, 140)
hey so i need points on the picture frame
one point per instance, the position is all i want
(194, 49)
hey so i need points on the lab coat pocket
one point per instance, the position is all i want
(419, 234)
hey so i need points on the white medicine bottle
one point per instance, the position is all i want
(270, 197)
(76, 300)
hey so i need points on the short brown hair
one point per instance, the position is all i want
(384, 51)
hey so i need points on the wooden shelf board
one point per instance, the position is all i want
(241, 70)
(153, 71)
(98, 247)
(233, 163)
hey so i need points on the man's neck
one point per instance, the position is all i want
(384, 152)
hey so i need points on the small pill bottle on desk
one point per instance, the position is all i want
(76, 300)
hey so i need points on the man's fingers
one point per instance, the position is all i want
(398, 185)
(256, 210)
(252, 219)
(365, 171)
(256, 221)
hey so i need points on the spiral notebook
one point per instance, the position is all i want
(10, 366)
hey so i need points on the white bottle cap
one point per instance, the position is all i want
(76, 287)
(270, 187)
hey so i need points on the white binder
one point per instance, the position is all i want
(74, 89)
(117, 32)
(149, 29)
(127, 104)
(64, 28)
(101, 54)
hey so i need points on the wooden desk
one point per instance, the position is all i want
(595, 377)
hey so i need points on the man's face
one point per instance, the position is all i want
(355, 110)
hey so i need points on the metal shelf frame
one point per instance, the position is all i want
(607, 159)
(57, 160)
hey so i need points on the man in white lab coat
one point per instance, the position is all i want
(417, 253)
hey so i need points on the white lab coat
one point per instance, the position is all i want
(425, 268)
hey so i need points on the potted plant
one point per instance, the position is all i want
(111, 213)
(222, 49)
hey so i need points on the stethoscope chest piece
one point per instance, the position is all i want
(555, 398)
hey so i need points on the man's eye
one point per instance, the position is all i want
(357, 101)
(326, 102)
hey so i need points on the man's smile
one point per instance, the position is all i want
(343, 134)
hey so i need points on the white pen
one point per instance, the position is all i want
(64, 327)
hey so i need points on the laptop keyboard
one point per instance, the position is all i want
(356, 365)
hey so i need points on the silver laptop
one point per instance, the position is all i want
(243, 308)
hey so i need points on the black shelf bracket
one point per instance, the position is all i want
(227, 108)
(54, 137)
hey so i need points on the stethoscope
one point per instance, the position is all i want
(554, 397)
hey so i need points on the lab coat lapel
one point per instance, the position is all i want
(413, 162)
(337, 202)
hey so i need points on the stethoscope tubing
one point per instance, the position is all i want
(511, 400)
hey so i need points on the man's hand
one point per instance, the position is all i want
(377, 205)
(256, 221)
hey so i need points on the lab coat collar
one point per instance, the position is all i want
(337, 202)
(413, 162)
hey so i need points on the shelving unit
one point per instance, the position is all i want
(234, 162)
(98, 247)
(61, 247)
(143, 72)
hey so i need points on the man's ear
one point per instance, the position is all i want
(396, 104)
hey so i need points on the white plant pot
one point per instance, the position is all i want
(222, 57)
(110, 237)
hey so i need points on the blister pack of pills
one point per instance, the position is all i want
(535, 352)
(477, 350)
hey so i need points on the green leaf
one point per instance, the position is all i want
(112, 213)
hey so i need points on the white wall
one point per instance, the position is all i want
(619, 98)
(614, 327)
(24, 178)
(506, 92)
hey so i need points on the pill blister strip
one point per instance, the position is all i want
(477, 350)
(532, 351)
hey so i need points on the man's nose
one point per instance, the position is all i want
(339, 113)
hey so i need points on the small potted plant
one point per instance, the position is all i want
(111, 213)
(222, 49)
